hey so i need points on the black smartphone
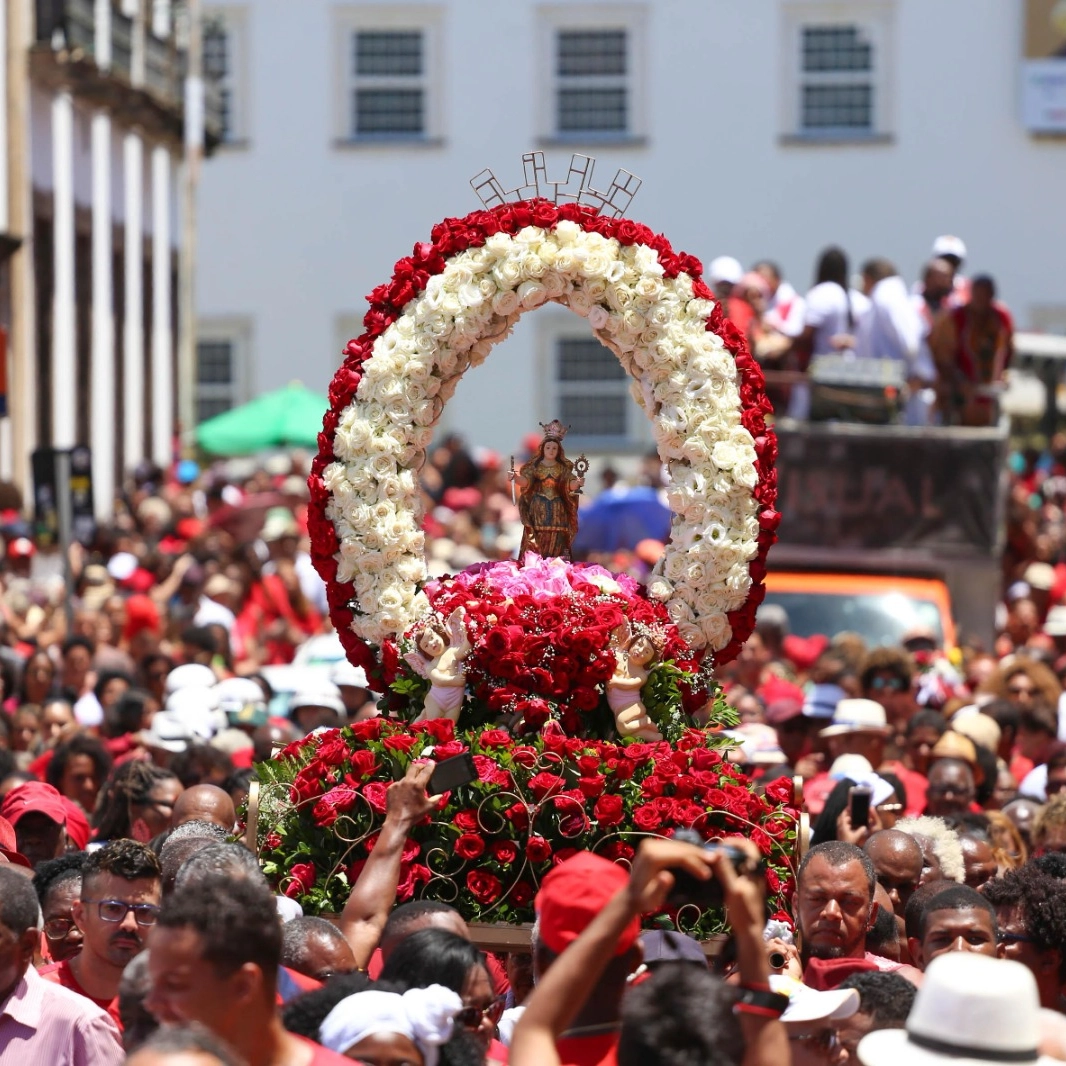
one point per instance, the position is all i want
(452, 773)
(859, 805)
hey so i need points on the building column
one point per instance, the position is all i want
(162, 337)
(7, 467)
(64, 400)
(102, 416)
(133, 325)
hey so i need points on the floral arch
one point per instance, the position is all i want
(445, 307)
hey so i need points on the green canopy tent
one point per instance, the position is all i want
(288, 417)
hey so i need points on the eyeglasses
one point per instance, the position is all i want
(115, 910)
(57, 928)
(1013, 938)
(893, 684)
(472, 1017)
(1013, 690)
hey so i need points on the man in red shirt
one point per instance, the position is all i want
(570, 897)
(214, 960)
(121, 890)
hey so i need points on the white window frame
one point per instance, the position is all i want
(559, 325)
(237, 332)
(631, 18)
(875, 20)
(235, 21)
(350, 19)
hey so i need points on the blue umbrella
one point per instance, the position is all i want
(621, 518)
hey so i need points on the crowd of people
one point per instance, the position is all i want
(135, 926)
(952, 338)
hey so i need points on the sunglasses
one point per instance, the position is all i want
(1014, 691)
(892, 684)
(472, 1017)
(115, 910)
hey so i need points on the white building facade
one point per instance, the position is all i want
(761, 128)
(92, 144)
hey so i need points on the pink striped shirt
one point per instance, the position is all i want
(41, 1022)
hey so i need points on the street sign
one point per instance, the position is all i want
(61, 475)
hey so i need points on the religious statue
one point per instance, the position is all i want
(634, 654)
(549, 484)
(440, 658)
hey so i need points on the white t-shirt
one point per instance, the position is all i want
(787, 311)
(827, 311)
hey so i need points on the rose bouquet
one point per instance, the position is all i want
(537, 801)
(543, 640)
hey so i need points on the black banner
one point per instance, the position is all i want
(852, 487)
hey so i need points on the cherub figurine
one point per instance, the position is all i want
(634, 654)
(439, 657)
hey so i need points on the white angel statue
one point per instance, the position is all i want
(634, 654)
(439, 658)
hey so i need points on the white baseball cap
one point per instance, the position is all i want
(317, 694)
(191, 675)
(167, 733)
(725, 268)
(349, 676)
(806, 1005)
(948, 245)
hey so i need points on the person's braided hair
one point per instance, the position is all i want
(129, 786)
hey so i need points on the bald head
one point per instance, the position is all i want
(412, 917)
(205, 803)
(897, 859)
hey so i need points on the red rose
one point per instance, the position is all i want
(617, 849)
(505, 851)
(448, 750)
(334, 803)
(375, 795)
(647, 819)
(495, 738)
(439, 729)
(534, 712)
(591, 787)
(518, 815)
(368, 729)
(522, 894)
(544, 784)
(609, 810)
(538, 849)
(364, 764)
(703, 759)
(466, 820)
(780, 791)
(483, 887)
(469, 846)
(273, 840)
(401, 742)
(411, 875)
(526, 757)
(638, 752)
(302, 879)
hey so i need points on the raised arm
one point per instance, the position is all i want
(374, 893)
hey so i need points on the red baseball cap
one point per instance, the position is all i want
(34, 796)
(573, 894)
(20, 548)
(78, 832)
(8, 847)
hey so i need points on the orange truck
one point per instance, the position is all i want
(889, 528)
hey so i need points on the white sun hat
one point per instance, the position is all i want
(971, 1010)
(857, 716)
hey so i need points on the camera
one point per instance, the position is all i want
(688, 890)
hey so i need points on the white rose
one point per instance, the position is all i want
(554, 284)
(531, 294)
(566, 232)
(505, 303)
(597, 317)
(580, 303)
(660, 590)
